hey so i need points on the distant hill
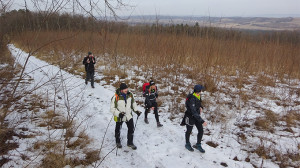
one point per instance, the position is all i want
(259, 23)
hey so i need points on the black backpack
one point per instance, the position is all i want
(186, 105)
(187, 100)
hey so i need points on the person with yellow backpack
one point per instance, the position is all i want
(122, 105)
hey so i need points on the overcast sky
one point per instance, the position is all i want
(219, 8)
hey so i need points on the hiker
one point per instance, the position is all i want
(122, 105)
(150, 95)
(89, 62)
(192, 117)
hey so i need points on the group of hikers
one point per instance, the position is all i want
(123, 104)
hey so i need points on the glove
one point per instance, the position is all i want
(121, 115)
(138, 113)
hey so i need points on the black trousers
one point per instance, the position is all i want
(189, 129)
(130, 133)
(154, 104)
(90, 75)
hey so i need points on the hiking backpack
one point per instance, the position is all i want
(144, 87)
(187, 99)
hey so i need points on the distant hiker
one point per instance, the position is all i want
(150, 94)
(89, 62)
(122, 105)
(192, 117)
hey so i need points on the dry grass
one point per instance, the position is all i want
(7, 74)
(271, 116)
(54, 150)
(263, 152)
(115, 72)
(292, 118)
(264, 80)
(82, 141)
(54, 160)
(290, 159)
(264, 124)
(4, 53)
(5, 135)
(162, 50)
(267, 122)
(212, 144)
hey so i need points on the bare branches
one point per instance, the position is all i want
(5, 6)
(30, 54)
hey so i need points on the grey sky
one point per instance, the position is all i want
(219, 8)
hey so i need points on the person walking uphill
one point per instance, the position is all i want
(150, 95)
(122, 105)
(192, 117)
(89, 62)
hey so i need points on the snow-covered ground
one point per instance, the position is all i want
(157, 147)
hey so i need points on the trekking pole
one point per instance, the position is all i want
(136, 122)
(120, 141)
(118, 148)
(120, 136)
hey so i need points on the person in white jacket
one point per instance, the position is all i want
(122, 105)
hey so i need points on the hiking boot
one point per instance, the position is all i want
(119, 145)
(132, 146)
(93, 86)
(199, 147)
(159, 124)
(146, 121)
(188, 147)
(86, 82)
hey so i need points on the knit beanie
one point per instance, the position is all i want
(151, 83)
(123, 86)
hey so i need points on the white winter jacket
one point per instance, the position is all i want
(118, 105)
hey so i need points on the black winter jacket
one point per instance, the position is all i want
(151, 96)
(193, 105)
(89, 67)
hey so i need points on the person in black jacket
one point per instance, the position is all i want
(150, 102)
(192, 117)
(89, 62)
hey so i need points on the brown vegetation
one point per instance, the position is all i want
(206, 51)
(163, 52)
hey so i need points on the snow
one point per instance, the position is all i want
(3, 66)
(157, 147)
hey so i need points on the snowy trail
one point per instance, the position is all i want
(157, 147)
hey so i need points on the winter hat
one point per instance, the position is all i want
(89, 53)
(198, 88)
(151, 83)
(123, 86)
